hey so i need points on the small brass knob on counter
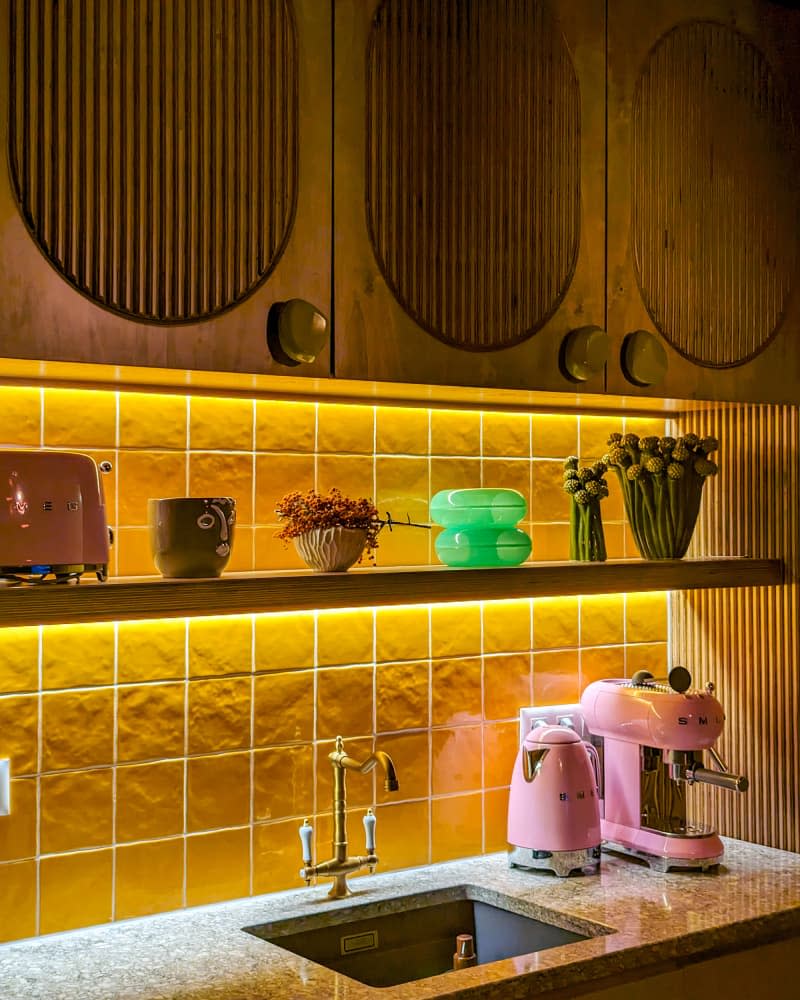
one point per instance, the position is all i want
(584, 353)
(297, 332)
(644, 360)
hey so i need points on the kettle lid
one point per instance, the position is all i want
(551, 736)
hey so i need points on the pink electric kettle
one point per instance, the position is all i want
(554, 803)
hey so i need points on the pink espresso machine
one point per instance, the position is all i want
(653, 738)
(553, 803)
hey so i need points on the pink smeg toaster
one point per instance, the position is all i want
(52, 515)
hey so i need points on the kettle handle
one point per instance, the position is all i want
(594, 757)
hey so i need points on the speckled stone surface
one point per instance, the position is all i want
(203, 954)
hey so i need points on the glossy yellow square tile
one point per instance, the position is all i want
(549, 502)
(602, 620)
(404, 547)
(613, 507)
(508, 474)
(276, 854)
(145, 474)
(646, 617)
(500, 746)
(401, 430)
(495, 819)
(274, 553)
(221, 424)
(285, 426)
(242, 553)
(150, 721)
(403, 488)
(455, 432)
(219, 714)
(152, 420)
(149, 800)
(593, 436)
(77, 655)
(149, 878)
(507, 434)
(402, 834)
(277, 475)
(151, 650)
(284, 708)
(344, 702)
(352, 475)
(345, 637)
(401, 696)
(18, 829)
(650, 656)
(555, 622)
(77, 729)
(507, 626)
(22, 410)
(220, 645)
(556, 677)
(77, 810)
(401, 633)
(554, 435)
(18, 913)
(80, 418)
(19, 732)
(550, 542)
(19, 659)
(410, 753)
(218, 791)
(75, 890)
(283, 782)
(345, 428)
(506, 685)
(456, 827)
(600, 662)
(456, 691)
(360, 790)
(133, 552)
(456, 760)
(284, 641)
(614, 535)
(223, 474)
(455, 630)
(217, 866)
(455, 474)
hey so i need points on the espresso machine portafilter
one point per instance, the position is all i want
(653, 737)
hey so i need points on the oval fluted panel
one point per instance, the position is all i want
(473, 173)
(153, 146)
(714, 207)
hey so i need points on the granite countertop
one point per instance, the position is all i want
(649, 920)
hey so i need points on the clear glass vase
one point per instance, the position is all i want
(586, 540)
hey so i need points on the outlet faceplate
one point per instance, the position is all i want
(552, 715)
(5, 787)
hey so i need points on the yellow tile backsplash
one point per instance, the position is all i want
(159, 764)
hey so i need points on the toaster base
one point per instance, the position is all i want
(62, 574)
(663, 863)
(563, 863)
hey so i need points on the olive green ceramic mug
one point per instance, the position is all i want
(191, 536)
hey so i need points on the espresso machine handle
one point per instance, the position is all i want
(733, 782)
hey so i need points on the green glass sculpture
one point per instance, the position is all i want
(480, 527)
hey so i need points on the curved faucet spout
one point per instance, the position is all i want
(340, 759)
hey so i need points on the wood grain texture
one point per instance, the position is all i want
(473, 173)
(153, 147)
(240, 593)
(714, 208)
(747, 641)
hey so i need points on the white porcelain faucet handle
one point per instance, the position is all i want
(369, 830)
(306, 833)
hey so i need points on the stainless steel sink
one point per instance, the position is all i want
(400, 940)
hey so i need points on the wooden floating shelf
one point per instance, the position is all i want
(125, 598)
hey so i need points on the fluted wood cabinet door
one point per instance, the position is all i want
(704, 194)
(167, 179)
(468, 188)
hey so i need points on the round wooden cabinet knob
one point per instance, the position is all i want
(644, 360)
(584, 353)
(296, 332)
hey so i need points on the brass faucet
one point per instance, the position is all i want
(340, 864)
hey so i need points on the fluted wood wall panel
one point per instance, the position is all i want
(473, 165)
(747, 641)
(153, 146)
(714, 202)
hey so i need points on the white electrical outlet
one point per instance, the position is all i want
(5, 787)
(552, 715)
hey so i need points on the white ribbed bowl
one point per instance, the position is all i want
(331, 550)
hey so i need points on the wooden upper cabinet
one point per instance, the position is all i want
(468, 188)
(703, 195)
(168, 178)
